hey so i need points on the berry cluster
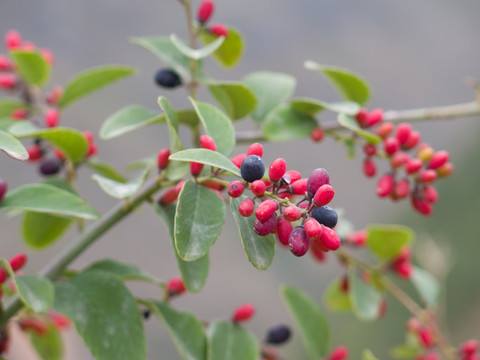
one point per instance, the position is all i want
(469, 350)
(302, 226)
(410, 175)
(17, 262)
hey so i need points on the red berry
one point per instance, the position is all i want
(404, 255)
(324, 195)
(88, 136)
(218, 30)
(175, 286)
(48, 56)
(169, 196)
(299, 187)
(246, 207)
(34, 324)
(59, 154)
(413, 165)
(317, 252)
(237, 160)
(358, 238)
(205, 11)
(413, 140)
(7, 81)
(206, 142)
(317, 134)
(258, 187)
(18, 261)
(34, 153)
(385, 185)
(391, 145)
(374, 117)
(298, 241)
(162, 158)
(403, 269)
(430, 194)
(369, 149)
(255, 149)
(195, 168)
(52, 117)
(284, 229)
(425, 337)
(179, 186)
(339, 353)
(263, 228)
(317, 178)
(13, 40)
(413, 325)
(19, 114)
(277, 170)
(243, 313)
(445, 170)
(265, 210)
(5, 63)
(54, 96)
(291, 213)
(313, 229)
(402, 188)
(294, 175)
(330, 239)
(399, 159)
(235, 189)
(469, 347)
(60, 321)
(3, 189)
(92, 150)
(422, 206)
(362, 117)
(439, 159)
(369, 167)
(403, 133)
(385, 129)
(3, 275)
(428, 176)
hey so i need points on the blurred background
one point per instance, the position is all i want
(414, 54)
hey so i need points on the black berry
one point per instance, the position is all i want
(325, 215)
(167, 78)
(146, 314)
(252, 168)
(278, 334)
(50, 166)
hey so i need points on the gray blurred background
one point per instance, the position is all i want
(414, 54)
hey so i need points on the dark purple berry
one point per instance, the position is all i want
(50, 166)
(263, 228)
(317, 178)
(167, 78)
(146, 314)
(3, 189)
(298, 241)
(285, 180)
(278, 334)
(325, 215)
(252, 168)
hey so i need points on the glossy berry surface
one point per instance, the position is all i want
(298, 241)
(284, 229)
(313, 229)
(175, 286)
(205, 11)
(277, 169)
(246, 207)
(330, 239)
(252, 168)
(263, 228)
(255, 149)
(317, 178)
(18, 261)
(238, 160)
(258, 187)
(196, 168)
(235, 189)
(243, 313)
(325, 215)
(291, 213)
(265, 210)
(206, 142)
(52, 117)
(167, 78)
(162, 158)
(278, 334)
(50, 166)
(218, 30)
(324, 195)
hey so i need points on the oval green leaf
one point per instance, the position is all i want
(228, 341)
(309, 319)
(49, 346)
(48, 199)
(312, 106)
(350, 123)
(105, 315)
(271, 89)
(284, 123)
(386, 241)
(352, 86)
(92, 80)
(199, 220)
(335, 298)
(196, 54)
(231, 51)
(32, 67)
(124, 271)
(41, 230)
(207, 157)
(260, 250)
(121, 190)
(427, 286)
(12, 146)
(235, 98)
(106, 170)
(365, 298)
(8, 105)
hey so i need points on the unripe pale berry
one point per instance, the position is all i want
(175, 286)
(263, 228)
(18, 261)
(258, 187)
(162, 158)
(374, 117)
(278, 334)
(385, 185)
(167, 78)
(324, 195)
(385, 129)
(218, 30)
(205, 11)
(339, 353)
(246, 207)
(13, 40)
(284, 229)
(265, 210)
(238, 160)
(169, 196)
(291, 213)
(425, 153)
(413, 165)
(439, 159)
(362, 117)
(413, 140)
(252, 168)
(255, 149)
(298, 241)
(52, 117)
(299, 187)
(243, 313)
(196, 168)
(402, 133)
(445, 170)
(369, 167)
(391, 145)
(206, 142)
(34, 153)
(325, 215)
(317, 134)
(317, 178)
(235, 189)
(330, 239)
(313, 229)
(428, 176)
(277, 169)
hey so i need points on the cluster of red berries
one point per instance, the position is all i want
(17, 262)
(469, 350)
(425, 339)
(410, 175)
(204, 13)
(313, 219)
(402, 265)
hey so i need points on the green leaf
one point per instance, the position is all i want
(196, 54)
(349, 122)
(386, 241)
(121, 190)
(260, 250)
(231, 51)
(312, 106)
(235, 98)
(194, 273)
(198, 221)
(310, 320)
(124, 271)
(365, 299)
(106, 170)
(405, 351)
(49, 346)
(125, 120)
(368, 355)
(70, 141)
(427, 286)
(8, 105)
(335, 298)
(5, 123)
(12, 146)
(163, 47)
(40, 230)
(32, 67)
(271, 89)
(184, 328)
(217, 125)
(352, 86)
(92, 80)
(227, 341)
(284, 123)
(207, 157)
(48, 199)
(105, 315)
